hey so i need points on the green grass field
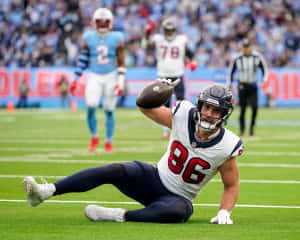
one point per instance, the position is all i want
(53, 144)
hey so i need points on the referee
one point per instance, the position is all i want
(247, 65)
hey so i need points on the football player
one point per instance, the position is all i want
(199, 147)
(101, 48)
(171, 51)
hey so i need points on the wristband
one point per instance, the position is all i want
(121, 70)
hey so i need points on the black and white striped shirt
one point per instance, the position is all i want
(247, 67)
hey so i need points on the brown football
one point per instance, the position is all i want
(154, 94)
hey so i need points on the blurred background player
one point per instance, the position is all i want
(23, 91)
(102, 50)
(171, 51)
(63, 86)
(247, 64)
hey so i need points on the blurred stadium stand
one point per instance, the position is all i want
(37, 33)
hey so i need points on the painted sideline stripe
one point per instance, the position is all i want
(45, 160)
(136, 203)
(213, 180)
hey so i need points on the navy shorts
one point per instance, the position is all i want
(142, 183)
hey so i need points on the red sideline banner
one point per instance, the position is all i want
(43, 83)
(282, 83)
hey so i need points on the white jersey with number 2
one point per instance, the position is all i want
(170, 55)
(188, 163)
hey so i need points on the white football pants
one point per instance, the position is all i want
(101, 85)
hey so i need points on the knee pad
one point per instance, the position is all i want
(117, 171)
(182, 210)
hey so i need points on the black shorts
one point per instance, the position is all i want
(248, 95)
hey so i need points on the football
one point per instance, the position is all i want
(154, 94)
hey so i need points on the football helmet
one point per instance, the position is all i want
(217, 95)
(169, 26)
(103, 20)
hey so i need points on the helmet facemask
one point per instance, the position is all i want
(103, 20)
(170, 29)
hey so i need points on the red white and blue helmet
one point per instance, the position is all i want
(103, 20)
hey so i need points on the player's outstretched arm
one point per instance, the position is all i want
(230, 177)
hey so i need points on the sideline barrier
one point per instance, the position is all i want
(282, 82)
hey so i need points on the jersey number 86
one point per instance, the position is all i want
(190, 170)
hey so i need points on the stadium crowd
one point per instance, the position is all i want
(37, 33)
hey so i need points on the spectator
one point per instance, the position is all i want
(24, 25)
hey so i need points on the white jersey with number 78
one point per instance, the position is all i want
(170, 55)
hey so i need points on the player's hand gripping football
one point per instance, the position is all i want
(73, 87)
(169, 82)
(156, 93)
(223, 217)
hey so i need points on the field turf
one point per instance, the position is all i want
(53, 143)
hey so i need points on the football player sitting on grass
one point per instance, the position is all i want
(199, 147)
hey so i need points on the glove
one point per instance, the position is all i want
(73, 87)
(169, 81)
(192, 66)
(223, 217)
(149, 27)
(119, 88)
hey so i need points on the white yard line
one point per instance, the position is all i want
(273, 153)
(45, 159)
(135, 203)
(140, 141)
(263, 181)
(213, 180)
(263, 165)
(81, 150)
(68, 141)
(130, 149)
